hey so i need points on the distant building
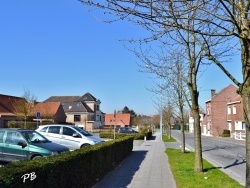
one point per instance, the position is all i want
(8, 106)
(120, 120)
(83, 111)
(216, 111)
(235, 117)
(50, 111)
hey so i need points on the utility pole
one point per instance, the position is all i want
(114, 122)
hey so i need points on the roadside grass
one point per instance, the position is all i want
(166, 139)
(182, 166)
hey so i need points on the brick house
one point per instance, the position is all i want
(235, 117)
(121, 120)
(7, 109)
(216, 111)
(50, 111)
(83, 111)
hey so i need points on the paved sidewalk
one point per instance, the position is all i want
(146, 167)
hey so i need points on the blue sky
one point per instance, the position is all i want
(58, 48)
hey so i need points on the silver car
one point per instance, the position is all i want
(70, 136)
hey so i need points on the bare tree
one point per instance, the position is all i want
(24, 107)
(177, 25)
(167, 113)
(181, 96)
(228, 20)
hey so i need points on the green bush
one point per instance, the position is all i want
(21, 124)
(226, 133)
(79, 168)
(137, 136)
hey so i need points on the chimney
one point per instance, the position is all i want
(212, 92)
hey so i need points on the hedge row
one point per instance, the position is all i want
(79, 168)
(137, 136)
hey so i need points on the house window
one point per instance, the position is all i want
(239, 125)
(229, 110)
(91, 117)
(243, 126)
(234, 109)
(77, 118)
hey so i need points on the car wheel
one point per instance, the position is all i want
(37, 157)
(84, 145)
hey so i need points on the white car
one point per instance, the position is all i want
(70, 136)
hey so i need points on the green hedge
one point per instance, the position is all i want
(79, 168)
(20, 124)
(137, 136)
(226, 133)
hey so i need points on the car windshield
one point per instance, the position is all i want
(34, 137)
(85, 133)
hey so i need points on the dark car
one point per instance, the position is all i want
(126, 130)
(23, 144)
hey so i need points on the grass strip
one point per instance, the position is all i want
(182, 166)
(166, 139)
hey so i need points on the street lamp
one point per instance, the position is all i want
(161, 131)
(114, 122)
(161, 117)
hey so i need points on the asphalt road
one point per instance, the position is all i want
(225, 153)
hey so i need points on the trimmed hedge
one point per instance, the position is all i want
(137, 136)
(79, 168)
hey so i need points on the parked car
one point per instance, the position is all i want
(22, 144)
(126, 130)
(70, 136)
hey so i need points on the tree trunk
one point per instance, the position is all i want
(197, 136)
(244, 91)
(183, 137)
(198, 167)
(246, 104)
(169, 131)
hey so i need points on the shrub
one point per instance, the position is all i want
(79, 168)
(226, 133)
(137, 136)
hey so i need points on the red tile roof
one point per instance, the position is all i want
(8, 104)
(46, 108)
(121, 119)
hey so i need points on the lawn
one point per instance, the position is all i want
(182, 166)
(166, 139)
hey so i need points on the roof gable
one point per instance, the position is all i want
(65, 99)
(87, 97)
(221, 92)
(62, 99)
(47, 108)
(8, 103)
